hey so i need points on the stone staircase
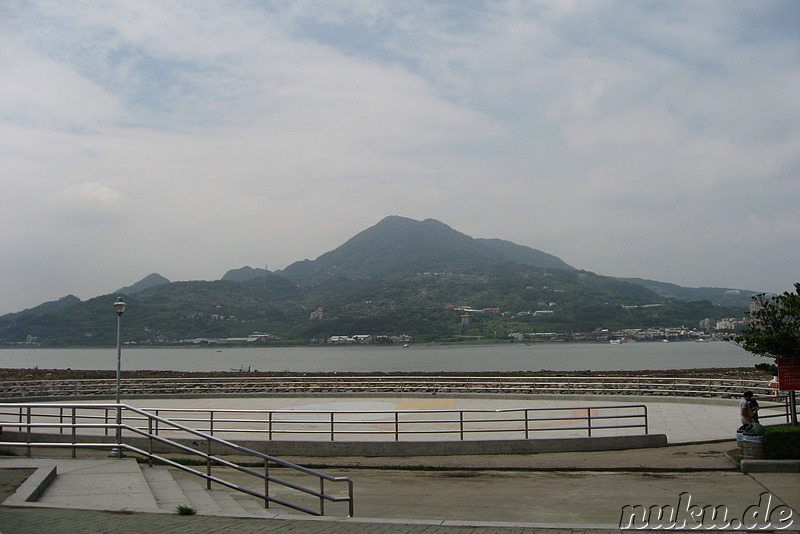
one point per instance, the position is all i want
(172, 488)
(127, 486)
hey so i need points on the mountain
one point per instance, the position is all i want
(151, 280)
(45, 308)
(243, 274)
(398, 277)
(717, 295)
(398, 246)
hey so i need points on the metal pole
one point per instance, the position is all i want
(589, 421)
(119, 307)
(119, 372)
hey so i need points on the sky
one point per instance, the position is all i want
(646, 139)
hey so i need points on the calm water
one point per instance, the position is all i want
(511, 357)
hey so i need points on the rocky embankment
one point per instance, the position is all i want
(737, 373)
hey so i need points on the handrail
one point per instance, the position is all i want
(463, 422)
(394, 424)
(27, 411)
(600, 385)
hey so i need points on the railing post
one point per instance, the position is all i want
(321, 496)
(350, 498)
(527, 428)
(208, 463)
(74, 433)
(646, 424)
(332, 430)
(210, 424)
(266, 482)
(61, 420)
(150, 441)
(461, 424)
(589, 421)
(119, 430)
(269, 427)
(28, 431)
(397, 426)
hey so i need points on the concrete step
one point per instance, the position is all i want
(255, 507)
(217, 501)
(166, 491)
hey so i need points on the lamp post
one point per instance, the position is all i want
(119, 307)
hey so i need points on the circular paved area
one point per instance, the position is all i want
(681, 420)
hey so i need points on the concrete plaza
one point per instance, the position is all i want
(522, 493)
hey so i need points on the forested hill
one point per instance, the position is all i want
(400, 276)
(398, 246)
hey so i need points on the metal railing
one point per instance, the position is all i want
(605, 385)
(80, 421)
(461, 424)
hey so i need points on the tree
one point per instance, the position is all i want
(774, 330)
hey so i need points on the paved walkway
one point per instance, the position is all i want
(587, 493)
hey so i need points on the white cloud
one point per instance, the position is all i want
(625, 137)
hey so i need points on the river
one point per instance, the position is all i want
(425, 358)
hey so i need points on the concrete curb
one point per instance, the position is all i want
(379, 448)
(770, 466)
(33, 487)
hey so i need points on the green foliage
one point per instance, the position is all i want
(782, 442)
(419, 306)
(185, 510)
(769, 368)
(774, 329)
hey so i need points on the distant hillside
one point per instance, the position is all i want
(716, 295)
(243, 274)
(45, 308)
(401, 277)
(506, 250)
(151, 280)
(398, 246)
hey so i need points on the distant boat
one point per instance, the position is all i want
(665, 340)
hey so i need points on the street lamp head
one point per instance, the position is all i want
(119, 306)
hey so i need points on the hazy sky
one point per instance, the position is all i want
(651, 139)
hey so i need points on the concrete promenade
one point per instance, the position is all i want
(477, 494)
(586, 493)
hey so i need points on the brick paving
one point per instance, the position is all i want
(50, 521)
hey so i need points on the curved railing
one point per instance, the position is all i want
(422, 424)
(338, 425)
(306, 384)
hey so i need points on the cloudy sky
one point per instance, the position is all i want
(651, 139)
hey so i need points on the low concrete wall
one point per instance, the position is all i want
(443, 448)
(378, 448)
